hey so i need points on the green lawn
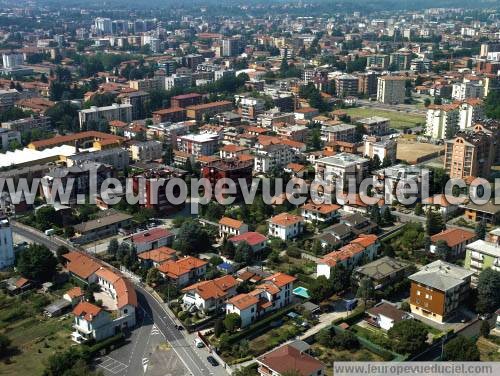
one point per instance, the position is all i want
(399, 120)
(34, 337)
(274, 337)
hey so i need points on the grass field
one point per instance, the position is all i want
(490, 351)
(34, 337)
(399, 120)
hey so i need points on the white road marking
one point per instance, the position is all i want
(145, 362)
(111, 365)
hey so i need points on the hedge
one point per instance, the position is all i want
(108, 342)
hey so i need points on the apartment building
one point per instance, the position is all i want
(388, 182)
(198, 144)
(172, 115)
(442, 121)
(122, 112)
(200, 111)
(185, 100)
(391, 89)
(378, 61)
(8, 138)
(401, 60)
(148, 84)
(483, 254)
(346, 85)
(180, 81)
(337, 171)
(29, 124)
(340, 132)
(117, 157)
(438, 289)
(466, 90)
(146, 151)
(269, 157)
(375, 125)
(385, 149)
(470, 153)
(471, 111)
(368, 83)
(250, 108)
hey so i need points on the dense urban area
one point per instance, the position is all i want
(265, 93)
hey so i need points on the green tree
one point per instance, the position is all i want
(462, 349)
(60, 252)
(346, 341)
(443, 251)
(365, 291)
(243, 253)
(113, 246)
(408, 336)
(153, 277)
(37, 263)
(232, 322)
(46, 216)
(488, 291)
(484, 329)
(480, 230)
(218, 327)
(325, 337)
(418, 209)
(434, 222)
(192, 238)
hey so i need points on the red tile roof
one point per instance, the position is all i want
(252, 238)
(243, 301)
(213, 289)
(230, 222)
(87, 310)
(288, 358)
(453, 236)
(151, 235)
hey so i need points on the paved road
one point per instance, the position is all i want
(155, 347)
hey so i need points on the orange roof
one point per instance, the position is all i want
(209, 105)
(125, 293)
(295, 167)
(174, 269)
(151, 235)
(365, 240)
(441, 200)
(453, 236)
(230, 222)
(213, 289)
(86, 310)
(344, 253)
(158, 254)
(107, 275)
(321, 208)
(21, 282)
(81, 265)
(117, 123)
(231, 148)
(71, 138)
(280, 279)
(75, 292)
(245, 157)
(167, 111)
(243, 301)
(286, 219)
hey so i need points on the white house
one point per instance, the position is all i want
(363, 247)
(184, 271)
(255, 240)
(273, 293)
(210, 295)
(231, 227)
(286, 226)
(385, 315)
(319, 212)
(151, 239)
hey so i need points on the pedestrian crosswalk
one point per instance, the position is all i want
(145, 362)
(155, 330)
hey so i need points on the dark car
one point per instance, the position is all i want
(212, 361)
(179, 327)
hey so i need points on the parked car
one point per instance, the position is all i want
(199, 343)
(179, 327)
(484, 316)
(212, 361)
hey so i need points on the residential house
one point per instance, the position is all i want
(382, 272)
(441, 203)
(81, 266)
(157, 256)
(151, 239)
(273, 293)
(455, 238)
(231, 227)
(209, 296)
(184, 271)
(288, 358)
(364, 247)
(323, 213)
(286, 226)
(359, 224)
(335, 236)
(255, 240)
(385, 315)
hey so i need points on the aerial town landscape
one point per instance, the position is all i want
(248, 188)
